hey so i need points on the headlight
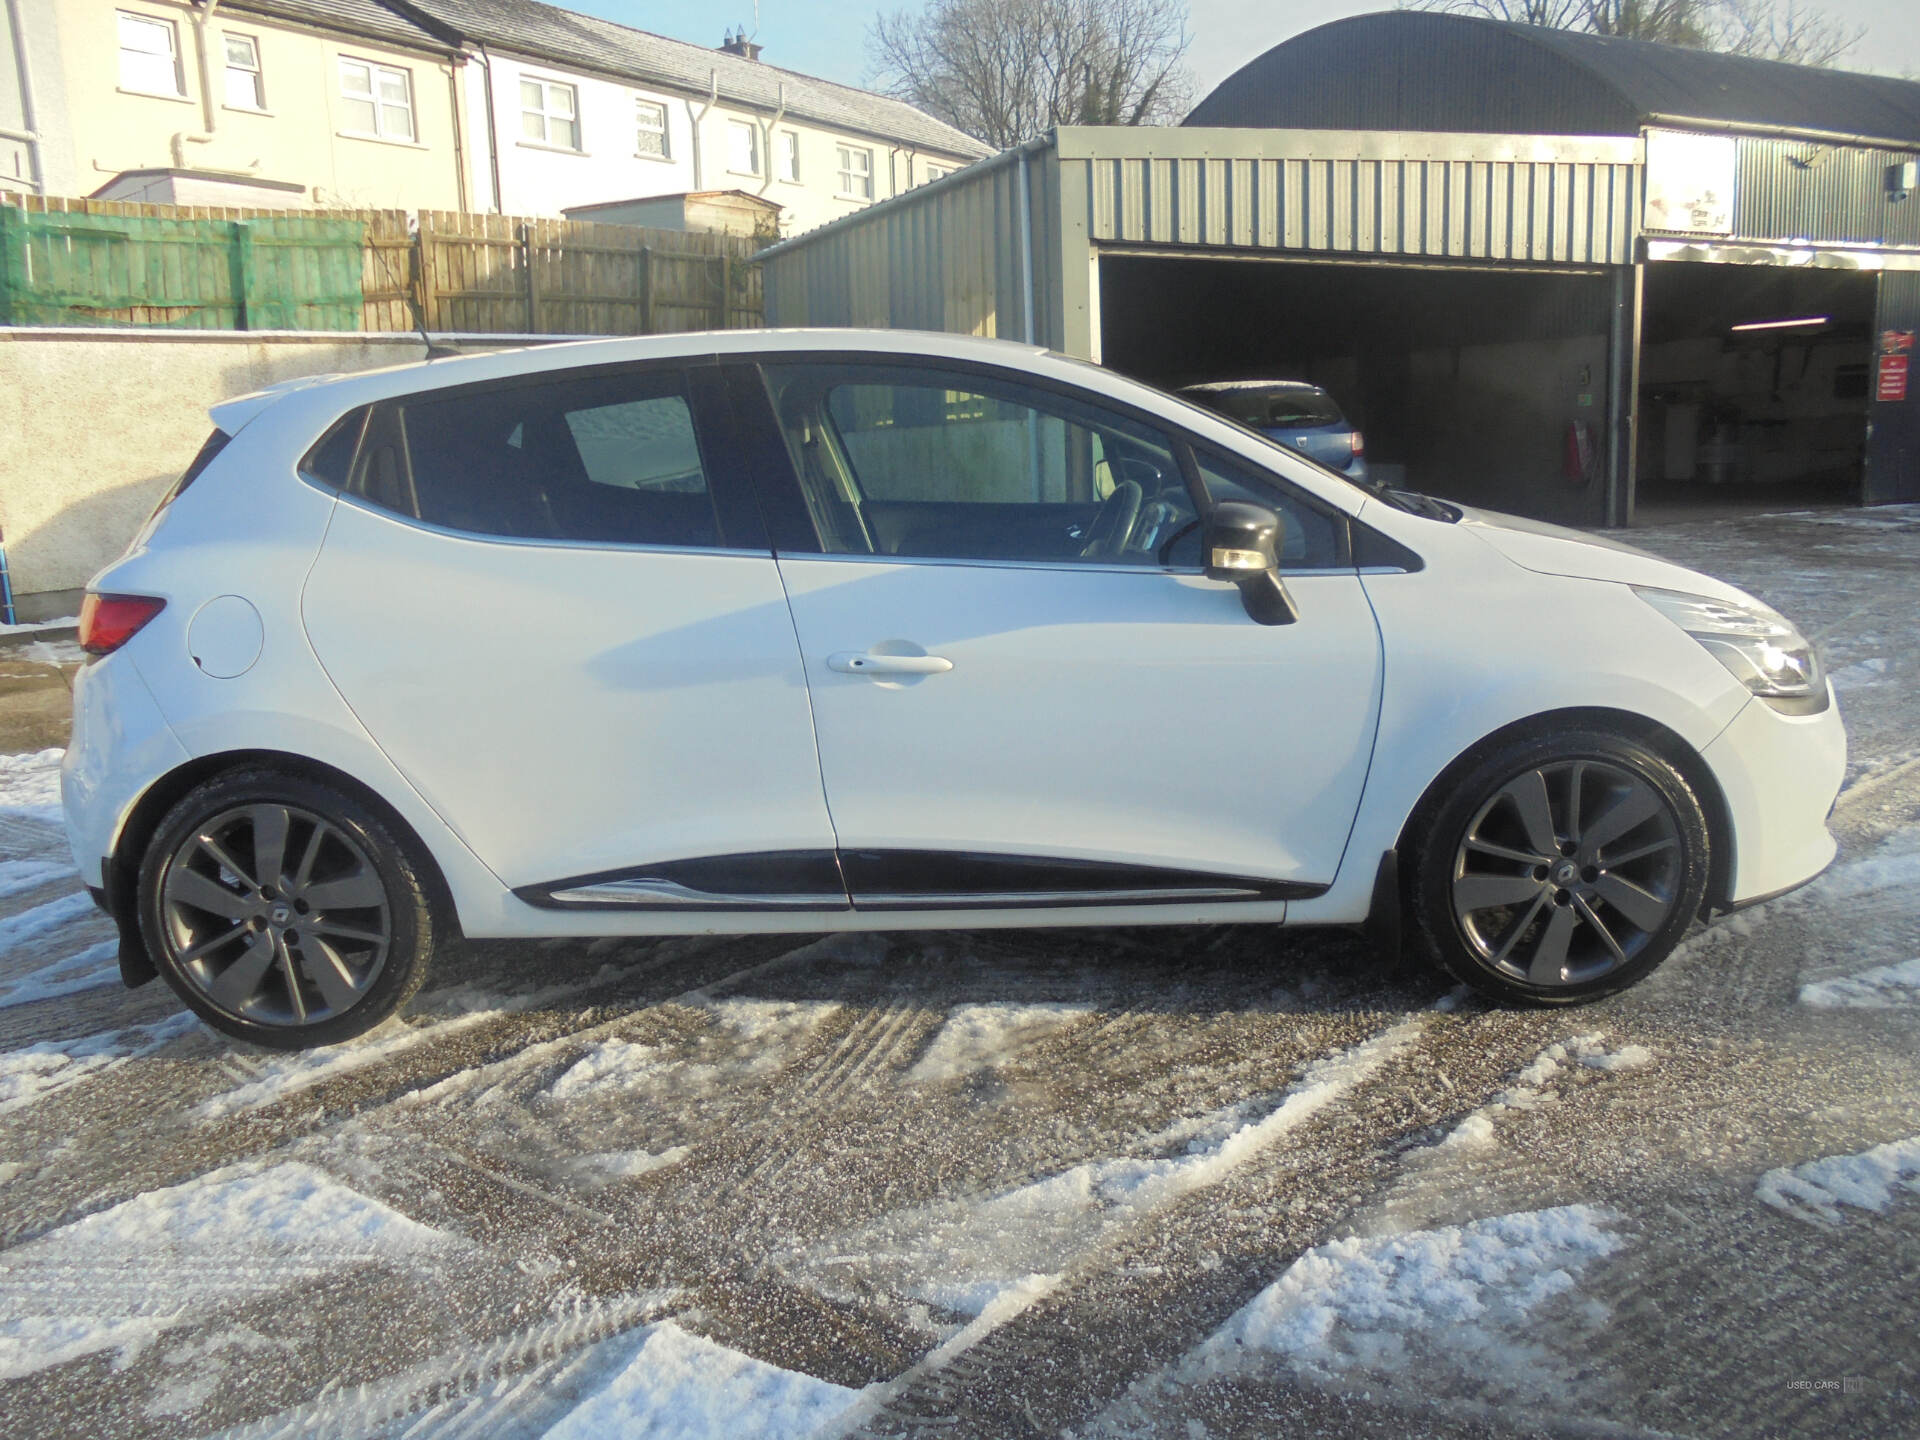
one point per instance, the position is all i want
(1760, 647)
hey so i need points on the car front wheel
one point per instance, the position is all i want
(1560, 868)
(283, 911)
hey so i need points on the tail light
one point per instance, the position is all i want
(108, 621)
(1359, 444)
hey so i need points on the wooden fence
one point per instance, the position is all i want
(198, 266)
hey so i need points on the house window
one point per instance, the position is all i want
(376, 100)
(937, 172)
(652, 122)
(856, 172)
(244, 88)
(788, 156)
(550, 114)
(743, 147)
(149, 56)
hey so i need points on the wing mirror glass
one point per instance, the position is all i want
(1241, 546)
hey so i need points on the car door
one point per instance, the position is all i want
(552, 603)
(1024, 692)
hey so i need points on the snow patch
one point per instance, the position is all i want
(612, 1165)
(1860, 674)
(26, 1075)
(92, 968)
(19, 876)
(680, 1386)
(42, 920)
(1884, 987)
(610, 1065)
(117, 1280)
(28, 627)
(1356, 1303)
(985, 1037)
(1537, 1084)
(30, 784)
(1867, 1181)
(762, 1031)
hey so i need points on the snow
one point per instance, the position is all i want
(119, 1279)
(1536, 1085)
(26, 1075)
(985, 1037)
(30, 627)
(679, 1386)
(610, 1065)
(1358, 1302)
(1867, 1181)
(30, 784)
(1860, 673)
(92, 968)
(19, 876)
(16, 930)
(612, 1165)
(1884, 987)
(761, 1032)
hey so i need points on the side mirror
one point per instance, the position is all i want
(1241, 546)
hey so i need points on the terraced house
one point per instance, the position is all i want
(497, 105)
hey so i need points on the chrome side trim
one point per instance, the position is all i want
(1029, 899)
(645, 894)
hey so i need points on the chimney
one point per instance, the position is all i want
(737, 43)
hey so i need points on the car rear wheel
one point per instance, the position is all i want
(283, 911)
(1560, 868)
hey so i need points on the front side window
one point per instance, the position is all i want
(149, 55)
(550, 113)
(1311, 538)
(609, 458)
(244, 88)
(743, 147)
(856, 172)
(376, 99)
(968, 467)
(651, 123)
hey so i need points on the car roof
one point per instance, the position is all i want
(363, 386)
(1209, 386)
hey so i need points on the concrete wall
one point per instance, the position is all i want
(101, 421)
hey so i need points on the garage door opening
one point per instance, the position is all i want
(1754, 388)
(1480, 386)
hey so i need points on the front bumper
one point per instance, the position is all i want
(1780, 775)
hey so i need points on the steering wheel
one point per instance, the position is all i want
(1113, 522)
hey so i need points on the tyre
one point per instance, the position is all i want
(283, 911)
(1557, 869)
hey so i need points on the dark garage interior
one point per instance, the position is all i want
(1753, 386)
(1483, 386)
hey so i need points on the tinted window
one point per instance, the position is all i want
(1312, 538)
(331, 461)
(1265, 406)
(611, 458)
(961, 466)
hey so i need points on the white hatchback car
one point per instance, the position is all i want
(791, 631)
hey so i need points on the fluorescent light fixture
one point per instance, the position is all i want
(1798, 322)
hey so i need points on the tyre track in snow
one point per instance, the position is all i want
(135, 1128)
(1143, 1297)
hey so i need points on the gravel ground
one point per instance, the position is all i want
(1150, 1182)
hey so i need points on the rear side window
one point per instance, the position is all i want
(613, 458)
(209, 448)
(330, 462)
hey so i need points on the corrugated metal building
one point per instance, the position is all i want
(1551, 272)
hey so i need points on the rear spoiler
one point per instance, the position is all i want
(230, 415)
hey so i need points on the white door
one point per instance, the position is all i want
(1020, 689)
(532, 599)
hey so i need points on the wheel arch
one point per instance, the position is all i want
(137, 831)
(1651, 733)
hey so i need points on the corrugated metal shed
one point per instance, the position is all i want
(1416, 70)
(1790, 190)
(952, 256)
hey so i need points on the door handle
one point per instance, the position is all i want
(860, 662)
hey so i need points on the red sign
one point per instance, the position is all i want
(1894, 342)
(1893, 378)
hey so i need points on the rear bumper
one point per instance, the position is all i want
(1780, 775)
(121, 744)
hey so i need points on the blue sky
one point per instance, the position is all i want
(829, 37)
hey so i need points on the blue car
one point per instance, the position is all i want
(1299, 416)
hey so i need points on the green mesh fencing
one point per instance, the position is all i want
(269, 273)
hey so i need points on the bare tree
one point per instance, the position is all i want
(1765, 29)
(1007, 70)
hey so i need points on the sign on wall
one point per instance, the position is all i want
(1690, 181)
(1890, 377)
